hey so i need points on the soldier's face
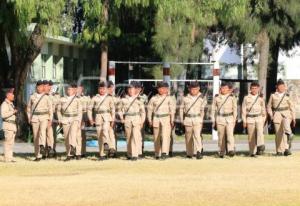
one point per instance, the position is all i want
(10, 96)
(40, 89)
(71, 91)
(138, 90)
(281, 88)
(194, 91)
(110, 90)
(162, 90)
(131, 91)
(254, 90)
(225, 90)
(79, 90)
(47, 88)
(102, 90)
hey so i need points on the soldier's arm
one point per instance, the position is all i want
(112, 109)
(213, 110)
(292, 109)
(90, 109)
(202, 109)
(263, 108)
(5, 111)
(269, 107)
(142, 112)
(121, 110)
(234, 106)
(79, 109)
(58, 112)
(172, 105)
(28, 109)
(150, 110)
(181, 110)
(244, 111)
(50, 107)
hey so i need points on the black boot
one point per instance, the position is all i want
(287, 152)
(231, 153)
(43, 151)
(290, 138)
(163, 156)
(199, 155)
(73, 151)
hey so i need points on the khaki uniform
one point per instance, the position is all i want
(9, 128)
(112, 135)
(81, 135)
(69, 112)
(104, 110)
(39, 119)
(161, 119)
(193, 122)
(132, 113)
(254, 115)
(225, 117)
(282, 118)
(144, 99)
(51, 129)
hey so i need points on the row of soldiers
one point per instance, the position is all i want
(74, 111)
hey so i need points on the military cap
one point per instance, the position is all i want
(139, 84)
(39, 82)
(280, 82)
(9, 90)
(132, 85)
(254, 84)
(101, 84)
(110, 84)
(45, 82)
(228, 84)
(162, 84)
(50, 82)
(72, 85)
(194, 84)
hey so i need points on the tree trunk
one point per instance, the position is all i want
(104, 44)
(263, 43)
(273, 68)
(104, 61)
(22, 59)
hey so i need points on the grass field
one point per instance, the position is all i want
(241, 180)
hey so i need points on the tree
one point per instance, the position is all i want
(23, 26)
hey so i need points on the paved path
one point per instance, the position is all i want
(209, 146)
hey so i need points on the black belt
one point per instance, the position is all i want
(161, 115)
(102, 111)
(10, 121)
(225, 114)
(192, 115)
(39, 113)
(70, 115)
(253, 115)
(132, 114)
(280, 109)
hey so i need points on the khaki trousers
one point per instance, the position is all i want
(226, 137)
(255, 136)
(193, 139)
(9, 144)
(133, 137)
(112, 138)
(70, 134)
(281, 129)
(162, 135)
(39, 136)
(50, 136)
(103, 136)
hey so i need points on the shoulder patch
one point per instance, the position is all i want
(287, 94)
(216, 95)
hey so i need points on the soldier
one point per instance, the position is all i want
(50, 151)
(144, 99)
(40, 114)
(112, 135)
(104, 108)
(282, 112)
(254, 117)
(132, 113)
(81, 135)
(224, 116)
(191, 115)
(69, 112)
(8, 114)
(160, 114)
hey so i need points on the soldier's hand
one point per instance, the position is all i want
(112, 124)
(172, 124)
(294, 123)
(92, 122)
(244, 124)
(150, 124)
(49, 123)
(15, 111)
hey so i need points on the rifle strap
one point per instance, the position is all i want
(253, 104)
(69, 104)
(35, 107)
(193, 104)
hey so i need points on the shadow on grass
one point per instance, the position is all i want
(93, 156)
